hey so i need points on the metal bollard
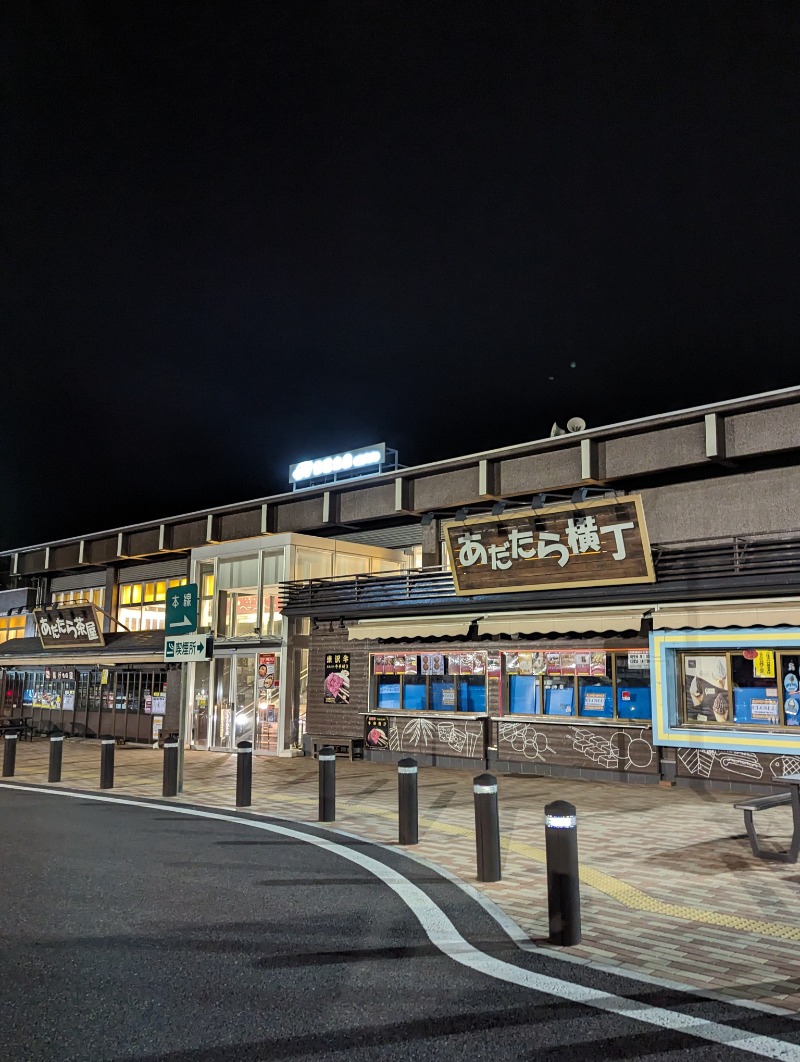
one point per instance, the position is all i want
(106, 763)
(563, 883)
(169, 783)
(244, 774)
(407, 802)
(56, 753)
(327, 784)
(10, 755)
(487, 827)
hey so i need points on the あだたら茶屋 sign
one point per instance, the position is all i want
(593, 544)
(70, 626)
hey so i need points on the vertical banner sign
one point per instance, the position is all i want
(337, 678)
(764, 664)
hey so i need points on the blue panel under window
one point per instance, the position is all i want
(751, 705)
(471, 696)
(443, 696)
(633, 702)
(559, 702)
(414, 696)
(523, 694)
(389, 695)
(597, 701)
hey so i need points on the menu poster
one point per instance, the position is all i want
(425, 664)
(376, 731)
(553, 663)
(437, 663)
(525, 664)
(598, 663)
(467, 663)
(479, 664)
(68, 701)
(512, 663)
(538, 663)
(411, 664)
(377, 664)
(337, 678)
(454, 663)
(567, 663)
(493, 668)
(399, 667)
(583, 663)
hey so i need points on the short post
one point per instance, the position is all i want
(106, 763)
(487, 827)
(169, 784)
(563, 883)
(327, 784)
(56, 754)
(407, 802)
(244, 774)
(10, 754)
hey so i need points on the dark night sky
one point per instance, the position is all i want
(235, 234)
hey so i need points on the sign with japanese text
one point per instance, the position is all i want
(181, 611)
(337, 678)
(68, 627)
(59, 674)
(764, 664)
(187, 647)
(594, 544)
(376, 731)
(639, 659)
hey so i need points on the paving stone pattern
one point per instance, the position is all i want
(670, 887)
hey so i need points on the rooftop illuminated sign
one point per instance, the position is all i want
(340, 466)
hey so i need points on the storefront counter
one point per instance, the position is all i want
(536, 745)
(460, 735)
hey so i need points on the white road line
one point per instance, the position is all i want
(443, 934)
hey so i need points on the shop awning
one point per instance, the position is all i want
(727, 614)
(578, 621)
(421, 627)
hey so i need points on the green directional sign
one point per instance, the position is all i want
(187, 647)
(181, 615)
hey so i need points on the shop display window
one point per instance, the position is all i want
(439, 682)
(632, 680)
(524, 694)
(559, 696)
(596, 697)
(748, 687)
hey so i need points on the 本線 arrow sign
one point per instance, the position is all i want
(187, 647)
(181, 611)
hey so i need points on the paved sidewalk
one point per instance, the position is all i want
(670, 887)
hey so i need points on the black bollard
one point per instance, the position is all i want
(244, 774)
(407, 803)
(563, 883)
(169, 784)
(106, 763)
(10, 755)
(487, 827)
(56, 753)
(327, 784)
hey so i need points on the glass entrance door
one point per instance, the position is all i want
(234, 701)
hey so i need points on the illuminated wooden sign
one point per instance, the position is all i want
(72, 625)
(598, 543)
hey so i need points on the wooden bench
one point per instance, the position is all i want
(353, 748)
(775, 800)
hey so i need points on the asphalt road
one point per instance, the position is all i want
(133, 932)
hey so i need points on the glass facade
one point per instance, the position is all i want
(142, 605)
(749, 687)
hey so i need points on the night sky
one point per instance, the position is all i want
(236, 235)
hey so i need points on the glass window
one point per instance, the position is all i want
(596, 697)
(388, 691)
(312, 564)
(415, 692)
(350, 564)
(471, 693)
(755, 688)
(238, 573)
(524, 695)
(205, 586)
(11, 627)
(633, 687)
(790, 679)
(273, 567)
(161, 591)
(139, 606)
(706, 686)
(559, 695)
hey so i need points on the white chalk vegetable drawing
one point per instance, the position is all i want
(418, 731)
